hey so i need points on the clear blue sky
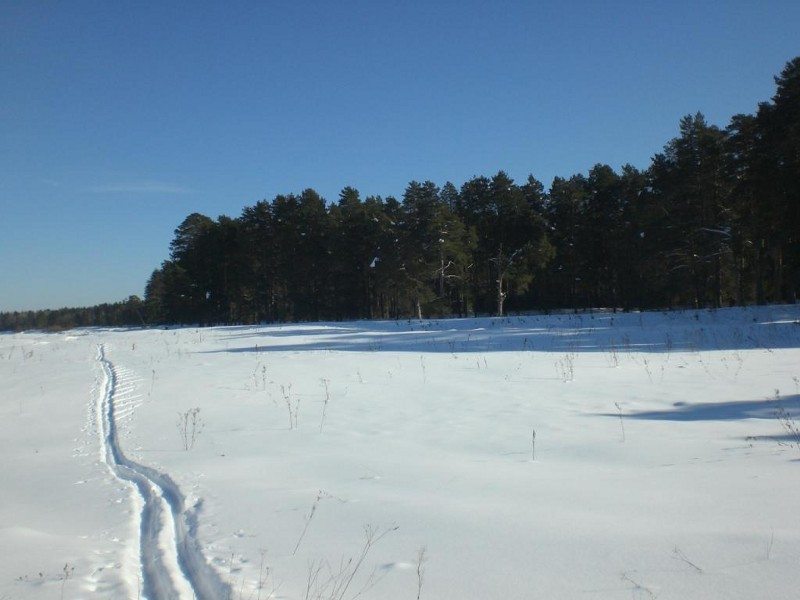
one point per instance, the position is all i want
(118, 119)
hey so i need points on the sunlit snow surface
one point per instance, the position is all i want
(662, 468)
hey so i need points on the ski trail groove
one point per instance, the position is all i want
(162, 502)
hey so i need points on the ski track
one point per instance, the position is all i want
(167, 529)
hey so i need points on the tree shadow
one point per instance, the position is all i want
(786, 439)
(719, 411)
(766, 328)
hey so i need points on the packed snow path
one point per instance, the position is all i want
(167, 529)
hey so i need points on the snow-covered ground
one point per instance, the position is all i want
(663, 463)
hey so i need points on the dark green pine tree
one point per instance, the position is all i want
(260, 285)
(360, 231)
(190, 270)
(565, 213)
(690, 187)
(780, 125)
(419, 244)
(511, 238)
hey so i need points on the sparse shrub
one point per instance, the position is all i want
(421, 560)
(613, 357)
(292, 405)
(308, 521)
(190, 424)
(67, 572)
(787, 421)
(566, 367)
(325, 383)
(337, 580)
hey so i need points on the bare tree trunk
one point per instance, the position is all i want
(500, 295)
(740, 295)
(500, 275)
(778, 273)
(759, 274)
(441, 274)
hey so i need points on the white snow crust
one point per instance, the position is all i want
(665, 465)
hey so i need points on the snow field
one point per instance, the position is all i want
(427, 429)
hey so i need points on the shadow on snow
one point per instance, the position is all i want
(765, 328)
(719, 411)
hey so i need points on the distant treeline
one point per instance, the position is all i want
(713, 221)
(118, 314)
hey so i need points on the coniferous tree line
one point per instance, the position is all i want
(116, 314)
(713, 221)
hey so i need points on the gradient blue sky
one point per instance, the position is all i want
(118, 119)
